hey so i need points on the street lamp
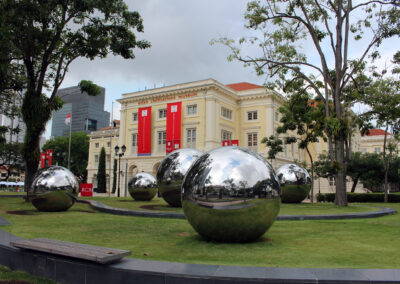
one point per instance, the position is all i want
(119, 154)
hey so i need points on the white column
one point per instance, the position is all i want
(211, 125)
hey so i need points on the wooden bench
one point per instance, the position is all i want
(81, 251)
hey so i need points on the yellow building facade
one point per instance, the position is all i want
(210, 114)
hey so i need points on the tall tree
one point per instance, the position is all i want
(101, 172)
(43, 37)
(288, 29)
(79, 154)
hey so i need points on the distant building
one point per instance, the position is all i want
(87, 112)
(373, 141)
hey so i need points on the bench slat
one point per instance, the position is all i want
(82, 251)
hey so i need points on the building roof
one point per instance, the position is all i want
(376, 132)
(243, 86)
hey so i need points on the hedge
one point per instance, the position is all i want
(360, 197)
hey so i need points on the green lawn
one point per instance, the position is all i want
(8, 276)
(358, 243)
(158, 204)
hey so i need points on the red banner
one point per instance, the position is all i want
(42, 160)
(86, 189)
(225, 143)
(173, 126)
(49, 157)
(144, 132)
(234, 142)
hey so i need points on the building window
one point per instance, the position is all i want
(363, 150)
(134, 116)
(252, 115)
(276, 116)
(227, 113)
(96, 159)
(252, 141)
(161, 140)
(91, 124)
(96, 145)
(162, 113)
(332, 181)
(191, 137)
(108, 159)
(377, 149)
(191, 109)
(226, 135)
(108, 144)
(134, 143)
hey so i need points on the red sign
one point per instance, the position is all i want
(144, 132)
(173, 126)
(49, 156)
(86, 189)
(42, 160)
(234, 142)
(225, 143)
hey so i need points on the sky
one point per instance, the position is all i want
(180, 32)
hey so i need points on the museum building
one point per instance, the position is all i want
(203, 115)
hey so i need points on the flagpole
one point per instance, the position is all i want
(69, 144)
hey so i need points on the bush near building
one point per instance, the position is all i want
(360, 197)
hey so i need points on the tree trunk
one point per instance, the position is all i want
(35, 114)
(355, 182)
(312, 175)
(341, 197)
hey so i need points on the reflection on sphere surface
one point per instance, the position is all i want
(53, 189)
(142, 187)
(171, 172)
(295, 183)
(231, 194)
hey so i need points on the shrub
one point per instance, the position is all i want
(360, 197)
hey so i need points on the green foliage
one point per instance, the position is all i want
(11, 157)
(101, 172)
(89, 87)
(274, 144)
(79, 152)
(42, 38)
(114, 185)
(359, 197)
(279, 28)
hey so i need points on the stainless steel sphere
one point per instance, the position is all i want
(295, 183)
(142, 187)
(53, 189)
(171, 172)
(231, 194)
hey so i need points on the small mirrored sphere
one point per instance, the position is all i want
(142, 187)
(171, 172)
(53, 189)
(295, 183)
(231, 194)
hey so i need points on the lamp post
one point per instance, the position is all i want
(119, 154)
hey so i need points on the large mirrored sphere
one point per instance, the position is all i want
(53, 189)
(231, 194)
(295, 183)
(171, 172)
(142, 187)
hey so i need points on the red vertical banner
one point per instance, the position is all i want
(234, 142)
(174, 111)
(42, 160)
(225, 143)
(49, 157)
(144, 132)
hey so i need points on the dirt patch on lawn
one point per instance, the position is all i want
(31, 212)
(21, 212)
(155, 207)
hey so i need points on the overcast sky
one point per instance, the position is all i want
(180, 32)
